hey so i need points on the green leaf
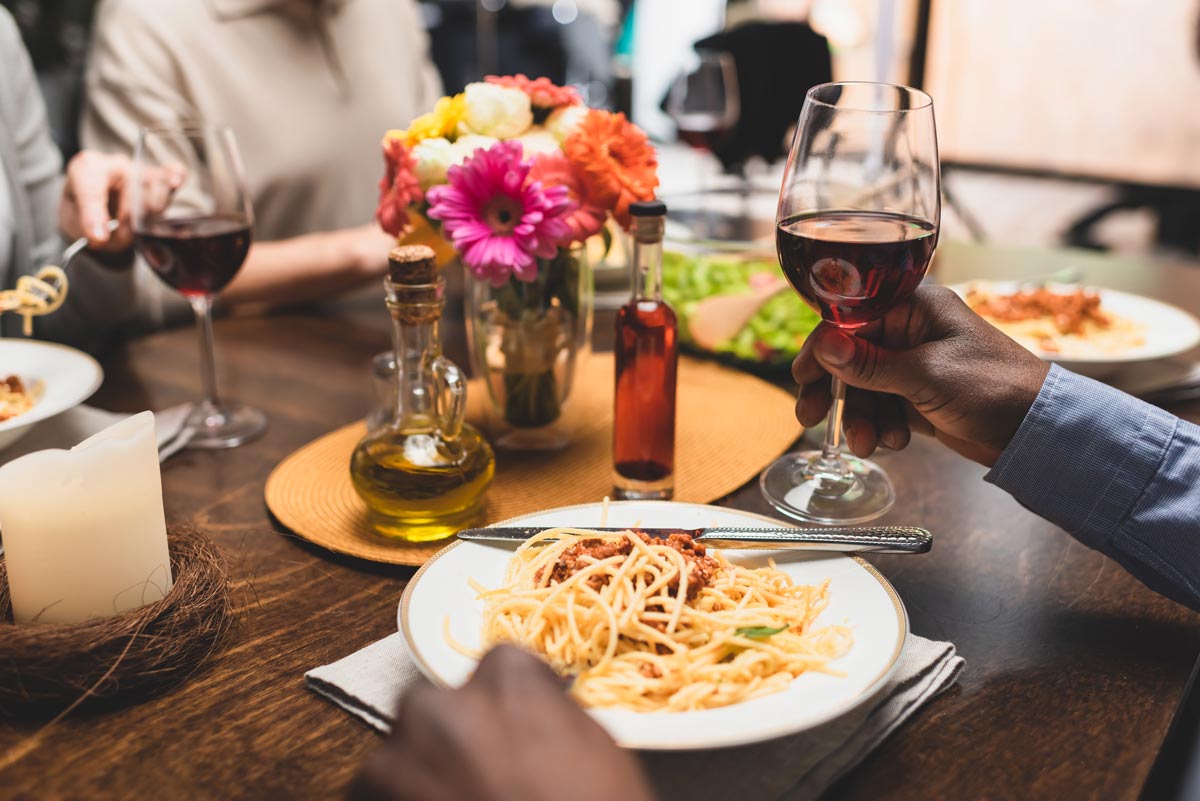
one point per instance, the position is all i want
(758, 632)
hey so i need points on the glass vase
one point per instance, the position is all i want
(527, 339)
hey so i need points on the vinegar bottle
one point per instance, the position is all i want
(646, 362)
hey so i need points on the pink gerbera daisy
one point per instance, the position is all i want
(499, 223)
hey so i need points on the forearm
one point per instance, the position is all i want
(309, 267)
(1120, 475)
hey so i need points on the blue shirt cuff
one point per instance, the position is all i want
(1084, 455)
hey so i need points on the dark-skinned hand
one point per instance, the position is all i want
(511, 733)
(931, 365)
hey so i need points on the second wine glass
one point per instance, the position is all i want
(192, 223)
(856, 228)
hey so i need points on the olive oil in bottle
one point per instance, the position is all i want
(423, 474)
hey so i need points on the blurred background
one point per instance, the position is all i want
(1061, 122)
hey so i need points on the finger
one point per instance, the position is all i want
(812, 404)
(509, 668)
(805, 367)
(891, 424)
(866, 365)
(90, 183)
(858, 423)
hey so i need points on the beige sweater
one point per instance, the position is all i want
(309, 87)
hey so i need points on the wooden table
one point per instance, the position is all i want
(1073, 668)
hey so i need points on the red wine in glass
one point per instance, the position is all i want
(702, 138)
(854, 266)
(196, 255)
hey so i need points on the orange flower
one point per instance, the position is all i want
(398, 189)
(614, 161)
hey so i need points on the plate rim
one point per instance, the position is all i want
(868, 692)
(960, 287)
(36, 415)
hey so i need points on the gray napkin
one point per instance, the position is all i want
(73, 426)
(369, 683)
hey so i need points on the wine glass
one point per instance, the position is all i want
(703, 100)
(856, 227)
(192, 224)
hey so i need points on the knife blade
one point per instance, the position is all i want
(874, 539)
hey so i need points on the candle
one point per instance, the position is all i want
(84, 530)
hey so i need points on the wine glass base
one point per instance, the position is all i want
(786, 487)
(225, 425)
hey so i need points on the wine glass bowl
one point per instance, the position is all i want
(703, 100)
(856, 229)
(192, 224)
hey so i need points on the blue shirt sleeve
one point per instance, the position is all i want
(1120, 475)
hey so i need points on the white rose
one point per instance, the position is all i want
(432, 158)
(498, 111)
(536, 141)
(562, 121)
(466, 146)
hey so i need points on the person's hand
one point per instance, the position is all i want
(96, 192)
(932, 366)
(364, 250)
(509, 734)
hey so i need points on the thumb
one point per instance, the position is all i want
(863, 364)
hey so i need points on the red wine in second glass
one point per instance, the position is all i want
(702, 138)
(854, 266)
(196, 255)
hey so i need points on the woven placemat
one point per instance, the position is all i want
(730, 425)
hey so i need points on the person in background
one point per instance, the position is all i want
(309, 88)
(38, 208)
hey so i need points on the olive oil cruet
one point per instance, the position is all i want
(423, 473)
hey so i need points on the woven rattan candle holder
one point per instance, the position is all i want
(45, 668)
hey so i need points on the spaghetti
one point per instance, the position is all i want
(658, 624)
(35, 295)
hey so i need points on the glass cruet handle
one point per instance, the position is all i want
(449, 397)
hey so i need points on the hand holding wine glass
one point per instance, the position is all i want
(195, 233)
(855, 231)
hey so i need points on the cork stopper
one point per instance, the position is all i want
(647, 221)
(412, 265)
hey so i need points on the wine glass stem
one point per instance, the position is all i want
(202, 306)
(828, 472)
(833, 427)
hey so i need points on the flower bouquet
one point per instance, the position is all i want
(514, 175)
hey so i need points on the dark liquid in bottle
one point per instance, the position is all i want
(853, 266)
(644, 415)
(196, 255)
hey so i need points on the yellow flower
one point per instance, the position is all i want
(442, 121)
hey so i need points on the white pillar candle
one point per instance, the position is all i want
(84, 530)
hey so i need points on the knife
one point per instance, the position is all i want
(876, 539)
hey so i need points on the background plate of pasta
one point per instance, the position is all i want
(669, 645)
(1089, 330)
(49, 379)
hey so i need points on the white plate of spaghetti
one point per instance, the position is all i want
(50, 379)
(668, 646)
(1086, 329)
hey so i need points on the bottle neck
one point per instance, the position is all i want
(416, 343)
(647, 269)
